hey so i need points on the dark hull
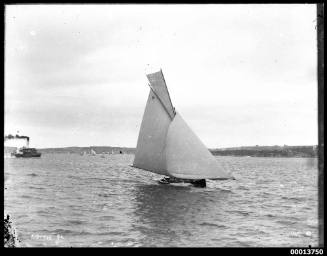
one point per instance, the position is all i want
(197, 183)
(27, 156)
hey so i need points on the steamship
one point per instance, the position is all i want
(22, 151)
(26, 152)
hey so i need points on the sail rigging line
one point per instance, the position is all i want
(167, 91)
(171, 117)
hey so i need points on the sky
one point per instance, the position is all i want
(240, 75)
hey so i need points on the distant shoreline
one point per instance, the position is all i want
(246, 151)
(269, 151)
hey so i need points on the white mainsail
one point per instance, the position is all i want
(166, 145)
(150, 151)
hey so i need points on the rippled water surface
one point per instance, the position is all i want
(73, 200)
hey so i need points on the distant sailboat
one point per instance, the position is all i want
(166, 145)
(92, 152)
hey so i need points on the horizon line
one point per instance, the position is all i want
(285, 145)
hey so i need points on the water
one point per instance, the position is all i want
(73, 200)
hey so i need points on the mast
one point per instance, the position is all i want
(167, 91)
(163, 105)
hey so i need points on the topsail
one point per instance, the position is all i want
(166, 145)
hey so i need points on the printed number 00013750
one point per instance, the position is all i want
(307, 251)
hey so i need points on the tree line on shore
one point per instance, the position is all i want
(268, 151)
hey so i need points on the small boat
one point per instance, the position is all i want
(26, 152)
(166, 145)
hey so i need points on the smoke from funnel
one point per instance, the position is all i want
(12, 137)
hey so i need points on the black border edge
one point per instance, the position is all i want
(321, 190)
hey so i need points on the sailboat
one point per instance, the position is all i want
(92, 152)
(166, 145)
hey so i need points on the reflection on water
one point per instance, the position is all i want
(172, 215)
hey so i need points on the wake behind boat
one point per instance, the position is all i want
(166, 145)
